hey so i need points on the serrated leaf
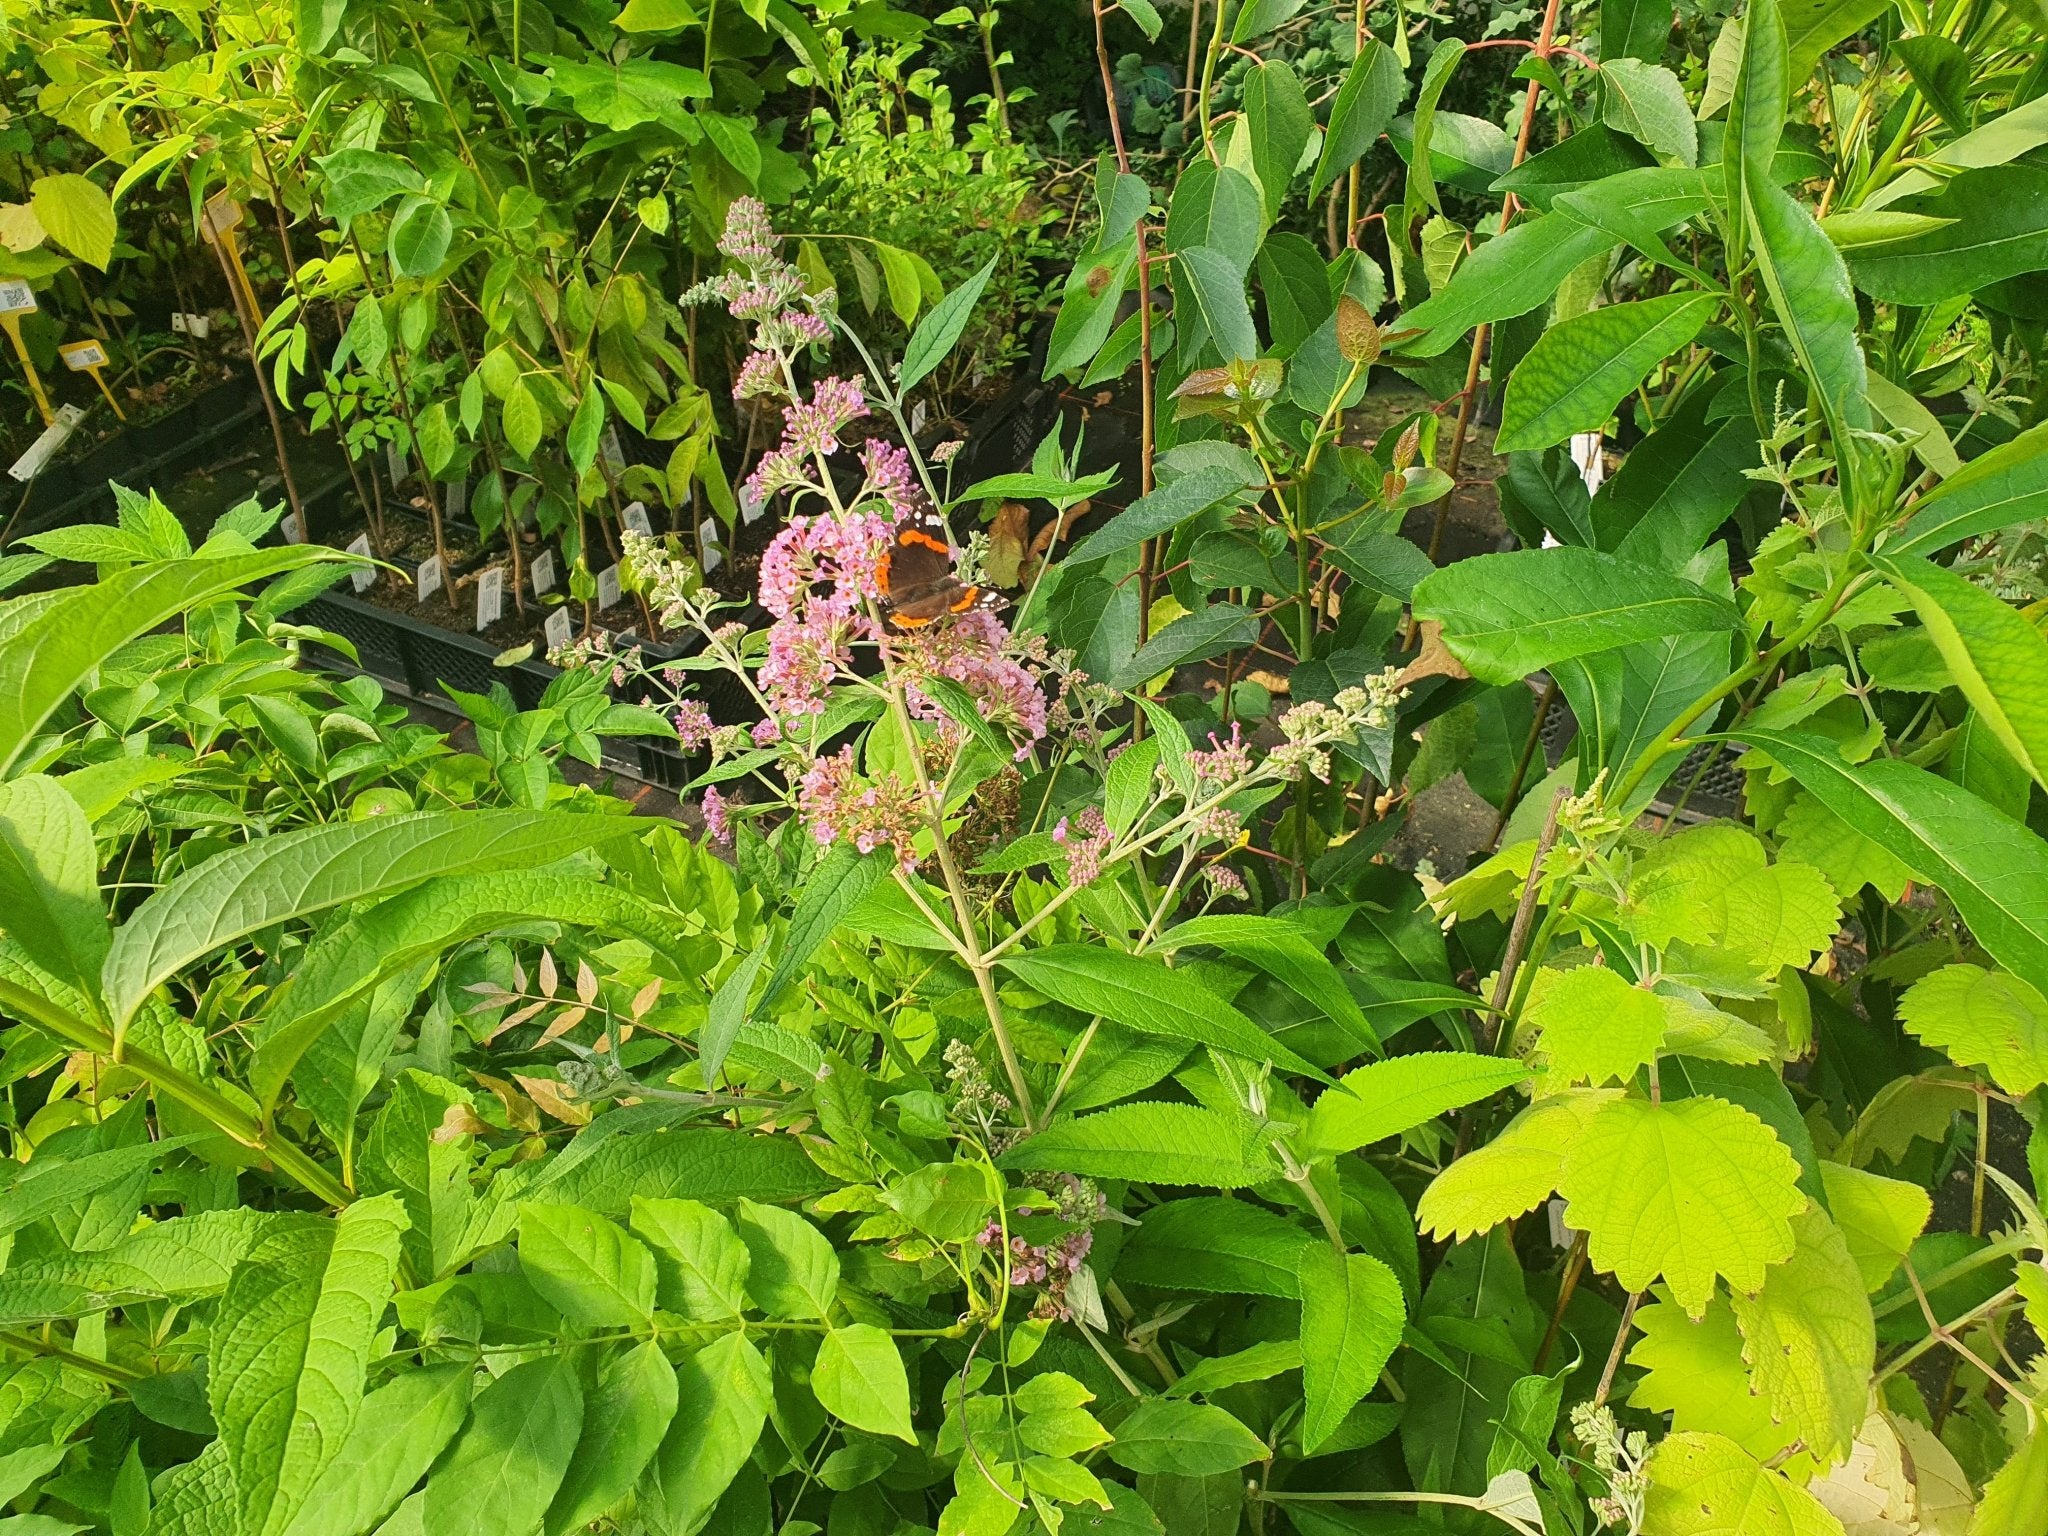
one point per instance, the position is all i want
(1691, 1190)
(1595, 1027)
(1989, 1019)
(1810, 1340)
(77, 214)
(1707, 1485)
(1695, 1372)
(1713, 886)
(49, 880)
(1209, 1243)
(1160, 1143)
(1512, 1174)
(1351, 1319)
(2015, 1501)
(1387, 1097)
(1190, 1439)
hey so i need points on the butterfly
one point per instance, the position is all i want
(917, 578)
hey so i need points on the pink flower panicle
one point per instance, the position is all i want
(749, 238)
(1086, 837)
(837, 806)
(693, 724)
(760, 374)
(717, 816)
(972, 651)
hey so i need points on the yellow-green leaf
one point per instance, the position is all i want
(1988, 1019)
(1810, 1339)
(1707, 1485)
(1513, 1173)
(1880, 1218)
(76, 214)
(1596, 1027)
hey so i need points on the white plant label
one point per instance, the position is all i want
(1586, 457)
(366, 577)
(634, 516)
(542, 570)
(607, 586)
(294, 528)
(16, 297)
(455, 497)
(707, 541)
(395, 462)
(556, 629)
(752, 505)
(917, 418)
(490, 598)
(44, 448)
(430, 576)
(180, 323)
(1560, 1234)
(608, 445)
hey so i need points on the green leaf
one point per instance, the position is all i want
(1160, 1143)
(1262, 16)
(900, 273)
(1512, 1174)
(55, 641)
(1505, 616)
(1635, 29)
(1579, 371)
(722, 1397)
(1595, 1026)
(1143, 993)
(1707, 1485)
(586, 1266)
(1284, 952)
(288, 1350)
(1996, 656)
(1809, 288)
(1711, 887)
(859, 1378)
(276, 879)
(939, 332)
(1998, 488)
(520, 418)
(700, 1263)
(505, 1467)
(359, 180)
(1695, 1372)
(1993, 868)
(1159, 511)
(1216, 285)
(1508, 275)
(49, 881)
(655, 16)
(51, 1183)
(1373, 90)
(1088, 310)
(1351, 1318)
(2015, 1501)
(948, 1202)
(585, 429)
(76, 214)
(1209, 1243)
(1279, 119)
(1645, 101)
(792, 1270)
(1981, 1018)
(1186, 1439)
(1880, 1218)
(1810, 1339)
(1689, 1189)
(400, 1429)
(1760, 91)
(318, 21)
(624, 1422)
(1386, 1098)
(421, 233)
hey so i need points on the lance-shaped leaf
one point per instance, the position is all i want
(1141, 992)
(1996, 656)
(1367, 101)
(1159, 1143)
(288, 1350)
(939, 331)
(624, 1421)
(1351, 1317)
(1996, 489)
(49, 881)
(1993, 868)
(1579, 371)
(275, 879)
(1505, 616)
(400, 1429)
(504, 1469)
(1184, 497)
(1386, 1098)
(1507, 276)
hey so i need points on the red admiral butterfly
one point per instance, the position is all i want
(917, 578)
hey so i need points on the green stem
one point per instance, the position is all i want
(174, 1083)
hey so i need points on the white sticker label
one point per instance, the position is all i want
(542, 570)
(608, 445)
(81, 355)
(395, 462)
(490, 597)
(222, 214)
(557, 630)
(294, 528)
(179, 323)
(1560, 1234)
(707, 541)
(365, 577)
(430, 577)
(607, 586)
(752, 505)
(455, 497)
(199, 325)
(16, 297)
(44, 448)
(1586, 455)
(634, 516)
(917, 418)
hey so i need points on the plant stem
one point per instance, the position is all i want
(1628, 1322)
(1525, 911)
(225, 1115)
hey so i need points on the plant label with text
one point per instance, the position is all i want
(429, 578)
(557, 630)
(542, 570)
(607, 586)
(363, 577)
(490, 598)
(707, 541)
(634, 516)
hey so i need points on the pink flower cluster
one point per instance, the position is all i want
(1086, 839)
(694, 725)
(717, 816)
(843, 554)
(835, 803)
(971, 650)
(1051, 1265)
